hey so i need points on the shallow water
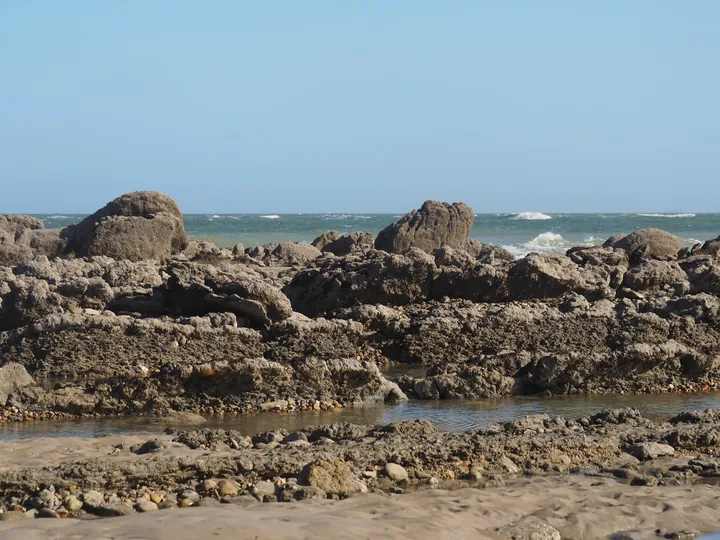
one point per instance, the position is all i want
(446, 415)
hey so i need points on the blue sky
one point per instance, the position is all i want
(368, 106)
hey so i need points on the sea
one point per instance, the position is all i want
(520, 233)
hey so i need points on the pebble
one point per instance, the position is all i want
(73, 504)
(146, 506)
(209, 485)
(189, 495)
(228, 487)
(396, 472)
(92, 498)
(47, 513)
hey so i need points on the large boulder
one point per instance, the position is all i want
(23, 238)
(436, 224)
(650, 243)
(553, 276)
(136, 226)
(657, 277)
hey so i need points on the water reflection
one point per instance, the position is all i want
(446, 415)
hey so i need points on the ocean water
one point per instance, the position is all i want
(521, 233)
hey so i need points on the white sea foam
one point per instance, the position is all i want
(668, 215)
(532, 216)
(547, 242)
(271, 216)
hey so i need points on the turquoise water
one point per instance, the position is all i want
(521, 233)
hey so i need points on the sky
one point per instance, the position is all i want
(361, 106)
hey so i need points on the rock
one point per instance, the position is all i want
(508, 465)
(47, 513)
(333, 242)
(73, 504)
(284, 253)
(435, 225)
(136, 226)
(17, 223)
(189, 495)
(148, 447)
(650, 450)
(262, 489)
(13, 377)
(92, 499)
(146, 506)
(553, 276)
(487, 253)
(372, 277)
(227, 487)
(325, 239)
(333, 476)
(309, 492)
(657, 277)
(530, 528)
(649, 243)
(116, 509)
(18, 515)
(395, 472)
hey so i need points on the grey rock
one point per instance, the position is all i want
(434, 225)
(649, 243)
(262, 489)
(530, 528)
(116, 509)
(650, 450)
(333, 476)
(146, 506)
(13, 377)
(395, 472)
(92, 499)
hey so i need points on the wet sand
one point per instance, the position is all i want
(571, 504)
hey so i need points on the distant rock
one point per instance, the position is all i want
(284, 253)
(434, 225)
(649, 243)
(337, 244)
(136, 226)
(17, 223)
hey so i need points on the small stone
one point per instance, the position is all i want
(189, 495)
(294, 437)
(92, 499)
(184, 503)
(73, 504)
(47, 513)
(17, 515)
(146, 506)
(475, 473)
(209, 485)
(156, 498)
(115, 510)
(228, 487)
(208, 501)
(509, 465)
(530, 528)
(396, 472)
(262, 489)
(650, 450)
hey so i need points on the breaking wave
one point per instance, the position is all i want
(668, 215)
(547, 242)
(532, 216)
(271, 216)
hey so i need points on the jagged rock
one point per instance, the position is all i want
(333, 476)
(653, 276)
(333, 242)
(650, 450)
(703, 273)
(462, 276)
(650, 243)
(553, 276)
(13, 377)
(530, 528)
(434, 225)
(373, 277)
(17, 223)
(613, 260)
(136, 226)
(487, 253)
(284, 253)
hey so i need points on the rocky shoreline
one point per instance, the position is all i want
(121, 475)
(123, 314)
(128, 315)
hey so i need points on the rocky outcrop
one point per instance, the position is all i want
(434, 225)
(136, 226)
(13, 377)
(373, 277)
(657, 277)
(553, 276)
(18, 223)
(284, 253)
(337, 244)
(649, 243)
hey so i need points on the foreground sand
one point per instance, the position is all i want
(568, 503)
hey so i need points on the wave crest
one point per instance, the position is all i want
(271, 216)
(532, 216)
(668, 215)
